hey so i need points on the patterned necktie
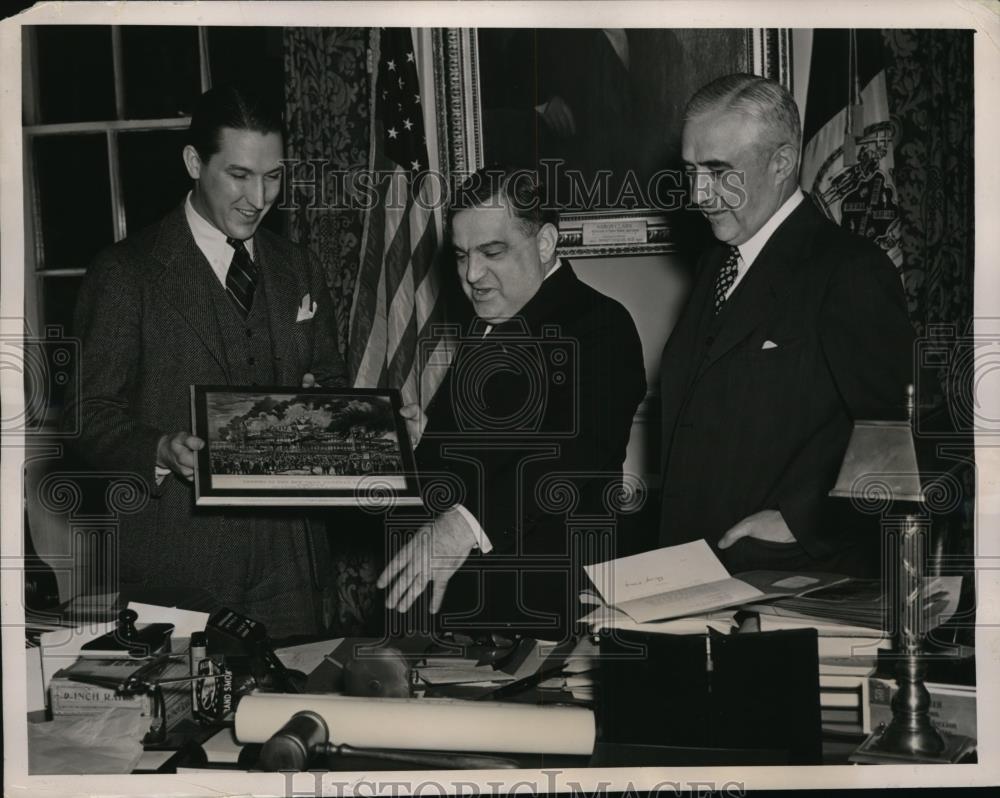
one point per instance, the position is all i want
(726, 277)
(241, 278)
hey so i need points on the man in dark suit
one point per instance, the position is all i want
(206, 297)
(794, 329)
(530, 425)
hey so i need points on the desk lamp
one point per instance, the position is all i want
(880, 465)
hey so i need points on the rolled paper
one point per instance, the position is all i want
(425, 724)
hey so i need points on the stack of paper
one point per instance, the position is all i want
(686, 580)
(580, 685)
(860, 604)
(605, 617)
(577, 676)
(475, 674)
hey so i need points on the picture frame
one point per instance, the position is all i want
(269, 446)
(624, 222)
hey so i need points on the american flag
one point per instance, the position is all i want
(397, 300)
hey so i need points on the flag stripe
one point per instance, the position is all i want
(398, 298)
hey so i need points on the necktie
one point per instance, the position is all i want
(726, 277)
(241, 278)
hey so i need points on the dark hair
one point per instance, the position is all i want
(236, 107)
(519, 189)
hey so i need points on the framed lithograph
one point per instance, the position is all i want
(309, 447)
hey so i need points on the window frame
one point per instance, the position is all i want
(36, 276)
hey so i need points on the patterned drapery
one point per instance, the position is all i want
(327, 118)
(929, 80)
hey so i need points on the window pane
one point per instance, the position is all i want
(74, 197)
(154, 180)
(162, 73)
(248, 56)
(58, 303)
(75, 73)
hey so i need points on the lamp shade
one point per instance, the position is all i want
(880, 463)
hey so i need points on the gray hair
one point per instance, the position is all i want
(759, 98)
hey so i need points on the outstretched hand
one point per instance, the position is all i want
(433, 554)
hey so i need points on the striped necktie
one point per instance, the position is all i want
(726, 277)
(241, 279)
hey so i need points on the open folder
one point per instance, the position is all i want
(689, 579)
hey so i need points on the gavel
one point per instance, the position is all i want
(306, 735)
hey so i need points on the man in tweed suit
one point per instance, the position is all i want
(205, 297)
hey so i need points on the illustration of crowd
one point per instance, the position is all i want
(305, 462)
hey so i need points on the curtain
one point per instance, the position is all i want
(930, 100)
(327, 120)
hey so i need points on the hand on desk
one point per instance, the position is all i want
(177, 452)
(765, 525)
(433, 554)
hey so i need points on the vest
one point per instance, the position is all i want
(246, 343)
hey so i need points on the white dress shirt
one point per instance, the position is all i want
(212, 241)
(750, 249)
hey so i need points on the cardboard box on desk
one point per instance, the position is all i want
(72, 691)
(60, 648)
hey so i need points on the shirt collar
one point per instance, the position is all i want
(207, 236)
(552, 270)
(750, 249)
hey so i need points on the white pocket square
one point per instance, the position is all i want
(306, 310)
(769, 344)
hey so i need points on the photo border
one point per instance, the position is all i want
(377, 496)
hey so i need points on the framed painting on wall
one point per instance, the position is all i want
(597, 111)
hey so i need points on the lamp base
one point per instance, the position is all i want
(875, 751)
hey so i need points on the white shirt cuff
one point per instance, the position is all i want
(161, 474)
(482, 541)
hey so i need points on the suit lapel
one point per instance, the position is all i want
(761, 289)
(283, 296)
(184, 282)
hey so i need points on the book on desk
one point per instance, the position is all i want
(688, 579)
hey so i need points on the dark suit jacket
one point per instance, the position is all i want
(148, 332)
(748, 428)
(530, 427)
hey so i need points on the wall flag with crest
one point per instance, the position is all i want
(847, 160)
